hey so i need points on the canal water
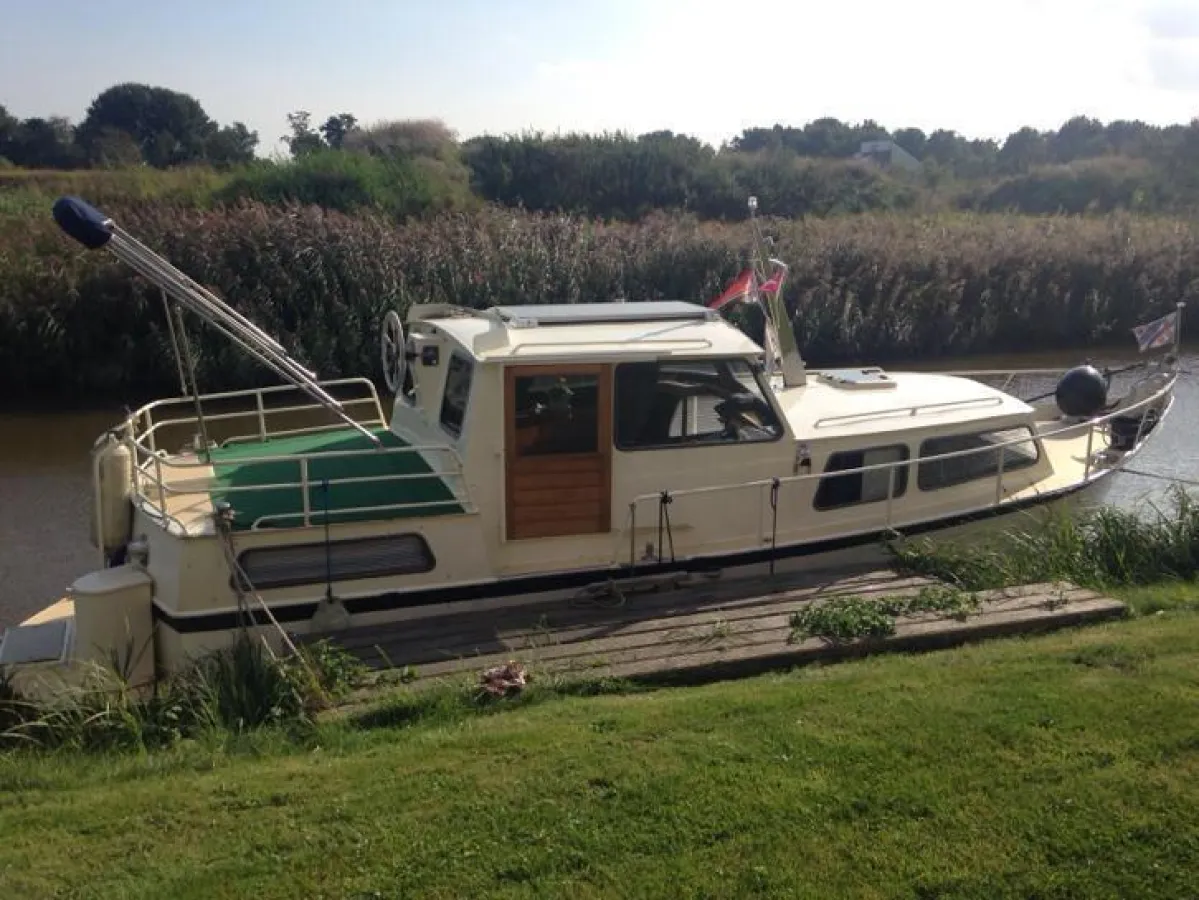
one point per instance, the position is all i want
(45, 484)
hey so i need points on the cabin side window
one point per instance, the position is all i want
(681, 403)
(935, 474)
(456, 394)
(852, 488)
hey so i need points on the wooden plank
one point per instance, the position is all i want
(524, 483)
(746, 636)
(557, 512)
(942, 634)
(656, 625)
(669, 647)
(534, 618)
(560, 464)
(574, 493)
(562, 526)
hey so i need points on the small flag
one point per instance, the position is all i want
(740, 288)
(1157, 333)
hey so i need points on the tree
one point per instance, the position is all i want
(44, 144)
(406, 138)
(112, 148)
(232, 145)
(944, 146)
(303, 139)
(169, 127)
(8, 130)
(754, 140)
(1183, 165)
(336, 128)
(911, 140)
(1023, 150)
(1079, 138)
(828, 137)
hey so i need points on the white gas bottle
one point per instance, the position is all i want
(112, 471)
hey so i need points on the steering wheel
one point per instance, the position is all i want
(395, 359)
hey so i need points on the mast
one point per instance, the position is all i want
(780, 335)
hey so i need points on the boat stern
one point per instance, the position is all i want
(104, 623)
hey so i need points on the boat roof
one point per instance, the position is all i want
(824, 409)
(589, 331)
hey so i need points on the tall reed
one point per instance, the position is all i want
(75, 324)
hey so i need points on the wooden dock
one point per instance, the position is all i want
(714, 630)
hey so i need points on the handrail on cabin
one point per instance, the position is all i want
(911, 410)
(1037, 437)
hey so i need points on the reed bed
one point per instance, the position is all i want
(76, 325)
(1103, 548)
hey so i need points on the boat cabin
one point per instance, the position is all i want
(564, 413)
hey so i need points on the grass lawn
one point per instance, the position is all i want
(1058, 766)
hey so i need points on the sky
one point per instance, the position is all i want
(704, 67)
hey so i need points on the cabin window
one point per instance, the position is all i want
(556, 413)
(297, 564)
(457, 392)
(942, 473)
(862, 487)
(679, 403)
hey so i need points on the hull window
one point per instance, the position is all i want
(691, 403)
(853, 488)
(936, 474)
(297, 564)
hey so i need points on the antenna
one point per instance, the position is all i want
(93, 230)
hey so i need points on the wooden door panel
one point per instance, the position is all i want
(558, 459)
(539, 481)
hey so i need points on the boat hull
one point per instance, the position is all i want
(187, 636)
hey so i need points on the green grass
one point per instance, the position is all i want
(32, 191)
(844, 619)
(1057, 766)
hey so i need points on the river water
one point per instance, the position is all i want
(45, 484)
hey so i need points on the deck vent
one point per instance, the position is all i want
(872, 378)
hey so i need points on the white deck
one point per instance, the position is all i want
(819, 411)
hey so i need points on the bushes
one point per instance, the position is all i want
(400, 187)
(622, 177)
(1099, 185)
(882, 287)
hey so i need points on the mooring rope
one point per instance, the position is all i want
(242, 585)
(1160, 476)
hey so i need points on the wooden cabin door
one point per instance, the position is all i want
(558, 436)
